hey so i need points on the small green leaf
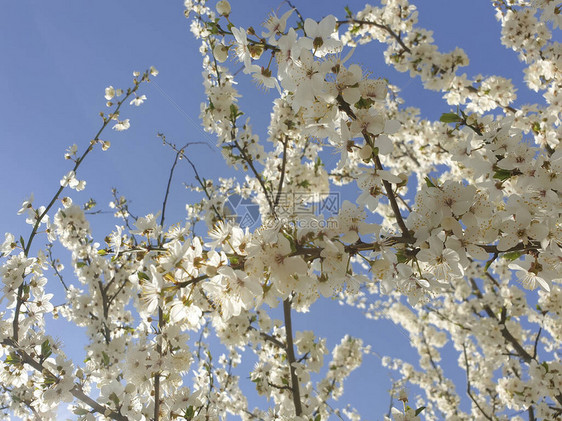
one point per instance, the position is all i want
(143, 275)
(502, 174)
(13, 359)
(401, 257)
(45, 350)
(189, 412)
(419, 410)
(364, 103)
(80, 264)
(348, 11)
(536, 127)
(450, 118)
(512, 255)
(429, 182)
(114, 398)
(105, 358)
(102, 252)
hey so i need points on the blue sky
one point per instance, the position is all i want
(59, 56)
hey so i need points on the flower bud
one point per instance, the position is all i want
(471, 120)
(220, 52)
(223, 7)
(365, 152)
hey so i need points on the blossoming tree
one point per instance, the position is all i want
(449, 258)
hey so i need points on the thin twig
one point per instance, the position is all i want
(177, 157)
(468, 384)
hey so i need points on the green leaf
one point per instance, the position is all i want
(419, 410)
(105, 358)
(512, 255)
(318, 418)
(364, 103)
(317, 164)
(536, 127)
(402, 257)
(502, 174)
(80, 264)
(348, 11)
(114, 398)
(429, 182)
(13, 359)
(22, 242)
(189, 413)
(102, 252)
(234, 112)
(143, 275)
(45, 350)
(450, 118)
(545, 365)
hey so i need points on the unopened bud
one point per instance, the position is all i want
(220, 52)
(223, 7)
(365, 152)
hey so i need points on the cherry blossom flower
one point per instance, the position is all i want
(527, 271)
(241, 47)
(275, 25)
(441, 261)
(122, 125)
(138, 100)
(321, 37)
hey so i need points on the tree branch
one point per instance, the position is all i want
(468, 385)
(291, 357)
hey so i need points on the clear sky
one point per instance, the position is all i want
(57, 58)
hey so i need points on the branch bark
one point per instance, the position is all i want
(291, 357)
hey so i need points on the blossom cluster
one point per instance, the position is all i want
(453, 245)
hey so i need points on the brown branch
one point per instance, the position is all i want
(203, 186)
(282, 175)
(531, 413)
(537, 342)
(179, 154)
(521, 352)
(291, 357)
(76, 391)
(106, 121)
(157, 375)
(54, 265)
(344, 106)
(468, 385)
(257, 175)
(387, 28)
(392, 200)
(406, 49)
